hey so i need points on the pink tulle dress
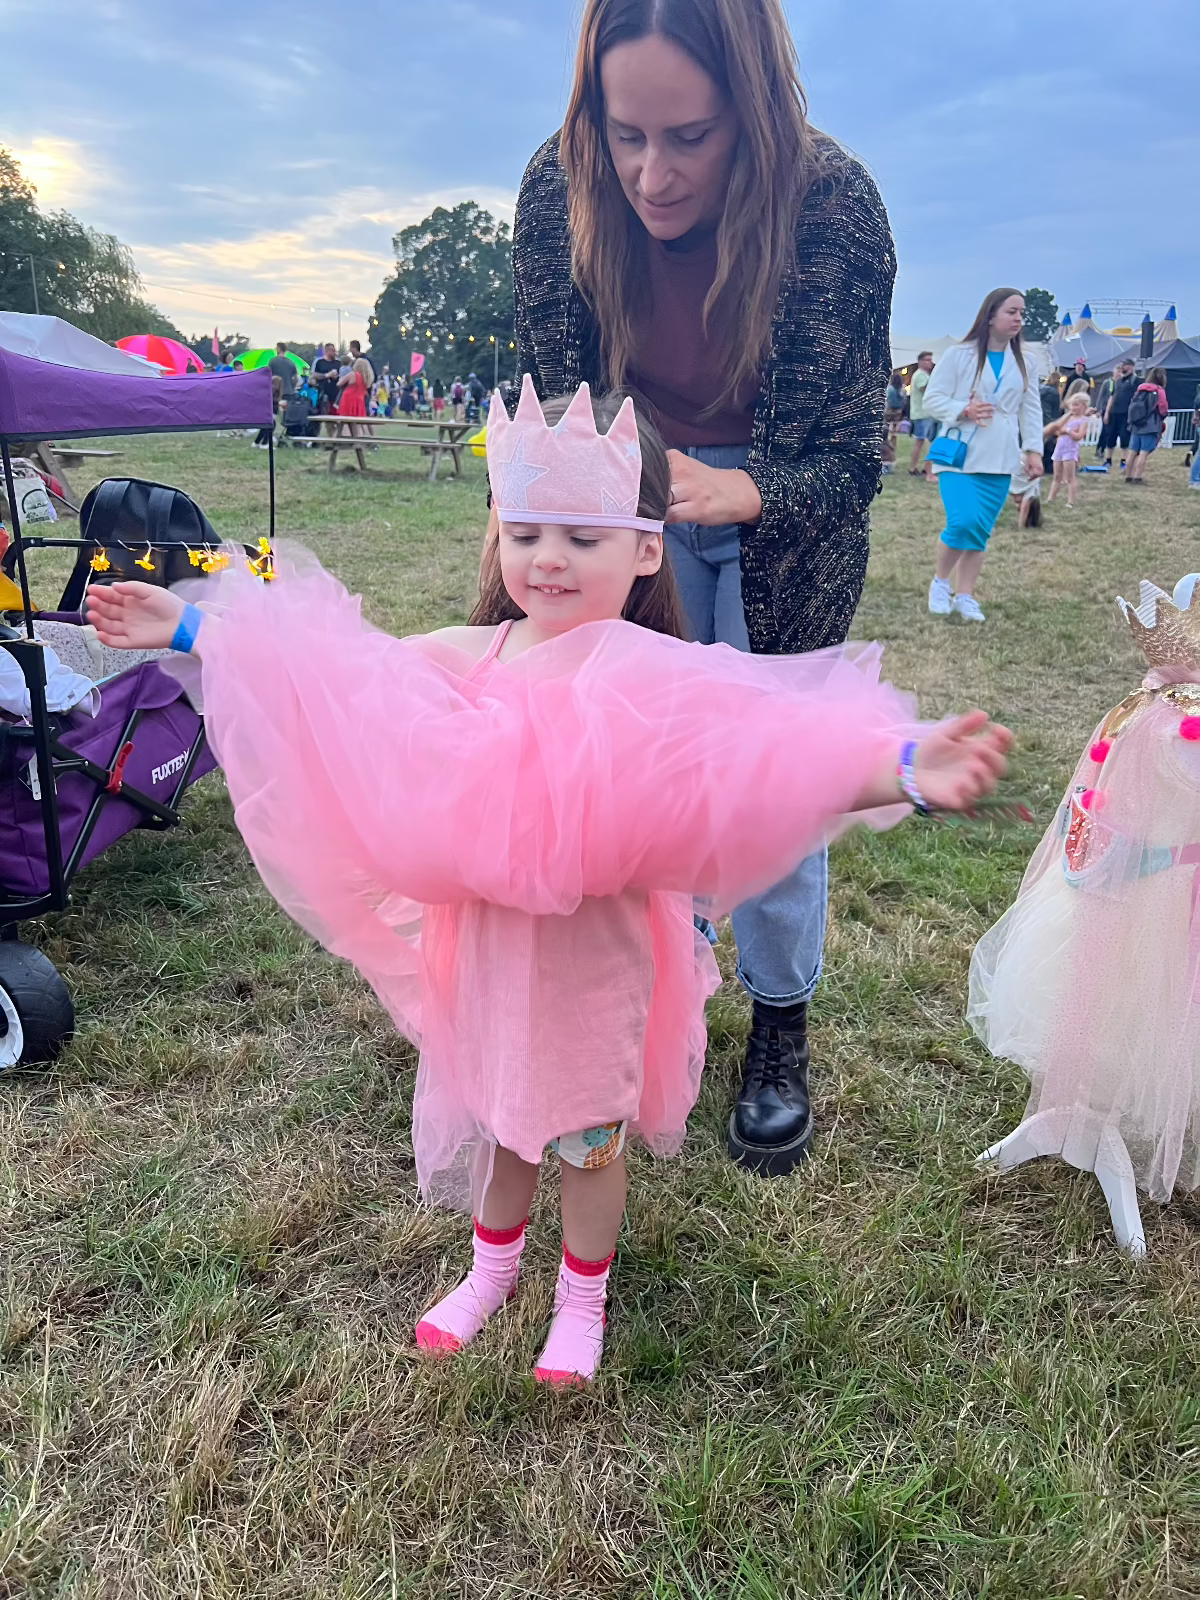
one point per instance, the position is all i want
(1091, 979)
(508, 851)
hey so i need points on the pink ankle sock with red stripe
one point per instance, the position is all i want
(492, 1280)
(573, 1350)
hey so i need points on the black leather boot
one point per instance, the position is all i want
(771, 1126)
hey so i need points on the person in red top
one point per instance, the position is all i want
(1147, 414)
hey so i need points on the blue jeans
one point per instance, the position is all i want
(780, 934)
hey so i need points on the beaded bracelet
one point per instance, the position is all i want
(189, 626)
(905, 772)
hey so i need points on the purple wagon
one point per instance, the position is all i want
(71, 785)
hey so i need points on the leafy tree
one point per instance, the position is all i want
(1041, 314)
(451, 295)
(81, 275)
(232, 345)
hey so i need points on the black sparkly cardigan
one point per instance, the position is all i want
(818, 427)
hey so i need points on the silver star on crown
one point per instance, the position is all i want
(519, 476)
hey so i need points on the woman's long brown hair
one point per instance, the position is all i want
(980, 331)
(654, 600)
(746, 48)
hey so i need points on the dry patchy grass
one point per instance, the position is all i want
(888, 1376)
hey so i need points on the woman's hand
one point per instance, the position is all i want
(134, 616)
(956, 764)
(710, 496)
(1035, 467)
(978, 411)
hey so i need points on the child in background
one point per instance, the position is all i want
(1071, 429)
(503, 825)
(1027, 492)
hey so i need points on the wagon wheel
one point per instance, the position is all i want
(36, 1014)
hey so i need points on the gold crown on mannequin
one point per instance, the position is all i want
(1167, 634)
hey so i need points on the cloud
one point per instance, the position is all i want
(64, 172)
(289, 282)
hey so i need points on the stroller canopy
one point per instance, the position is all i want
(43, 400)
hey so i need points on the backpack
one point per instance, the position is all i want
(456, 393)
(135, 512)
(1143, 411)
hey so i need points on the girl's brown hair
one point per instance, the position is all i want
(1157, 375)
(654, 600)
(980, 330)
(746, 48)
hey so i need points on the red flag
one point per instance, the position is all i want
(216, 345)
(418, 361)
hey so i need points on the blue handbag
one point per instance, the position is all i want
(949, 449)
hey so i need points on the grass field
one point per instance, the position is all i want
(887, 1376)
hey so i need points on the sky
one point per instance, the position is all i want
(258, 155)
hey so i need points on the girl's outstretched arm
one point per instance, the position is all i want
(137, 616)
(955, 764)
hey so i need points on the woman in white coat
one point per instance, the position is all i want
(982, 394)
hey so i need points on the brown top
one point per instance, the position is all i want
(674, 367)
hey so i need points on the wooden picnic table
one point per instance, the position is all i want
(358, 434)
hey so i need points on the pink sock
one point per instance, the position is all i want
(492, 1280)
(576, 1341)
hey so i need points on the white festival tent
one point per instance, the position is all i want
(63, 345)
(905, 350)
(1101, 351)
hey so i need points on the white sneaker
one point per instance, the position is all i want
(941, 597)
(967, 608)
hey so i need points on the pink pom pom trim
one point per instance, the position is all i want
(1189, 728)
(1099, 751)
(1087, 799)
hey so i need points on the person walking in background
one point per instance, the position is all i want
(1116, 413)
(1194, 479)
(740, 280)
(325, 369)
(439, 399)
(1147, 415)
(924, 429)
(1070, 431)
(893, 415)
(282, 367)
(1050, 395)
(989, 405)
(458, 399)
(1077, 377)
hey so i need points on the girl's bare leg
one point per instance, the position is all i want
(510, 1193)
(593, 1204)
(1058, 468)
(1069, 476)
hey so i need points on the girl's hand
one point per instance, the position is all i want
(710, 496)
(960, 761)
(134, 616)
(956, 764)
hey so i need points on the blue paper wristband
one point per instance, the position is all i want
(908, 777)
(189, 626)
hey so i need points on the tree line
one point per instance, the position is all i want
(51, 263)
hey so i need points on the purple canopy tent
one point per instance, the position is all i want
(42, 400)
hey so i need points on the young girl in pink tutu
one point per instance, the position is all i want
(503, 826)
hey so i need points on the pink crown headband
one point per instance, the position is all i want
(568, 473)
